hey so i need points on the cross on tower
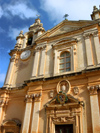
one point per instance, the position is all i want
(65, 16)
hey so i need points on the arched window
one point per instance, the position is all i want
(30, 38)
(64, 65)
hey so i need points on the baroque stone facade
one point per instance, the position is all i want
(53, 80)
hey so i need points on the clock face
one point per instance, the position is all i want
(25, 54)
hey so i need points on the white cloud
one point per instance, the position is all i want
(1, 30)
(1, 12)
(2, 77)
(21, 9)
(77, 9)
(14, 32)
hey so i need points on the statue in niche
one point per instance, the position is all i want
(63, 86)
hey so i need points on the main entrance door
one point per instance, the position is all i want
(64, 128)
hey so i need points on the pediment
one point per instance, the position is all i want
(72, 101)
(64, 27)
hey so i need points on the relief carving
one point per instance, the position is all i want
(51, 94)
(76, 90)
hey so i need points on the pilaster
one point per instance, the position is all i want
(94, 108)
(3, 104)
(27, 115)
(35, 114)
(42, 61)
(97, 46)
(88, 50)
(36, 63)
(55, 62)
(10, 71)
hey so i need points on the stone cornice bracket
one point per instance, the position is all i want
(93, 89)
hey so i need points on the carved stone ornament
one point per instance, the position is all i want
(51, 94)
(41, 47)
(35, 97)
(76, 90)
(63, 119)
(3, 102)
(61, 98)
(13, 58)
(63, 86)
(86, 36)
(93, 89)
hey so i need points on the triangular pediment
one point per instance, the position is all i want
(72, 101)
(64, 27)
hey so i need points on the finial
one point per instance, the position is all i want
(21, 32)
(65, 16)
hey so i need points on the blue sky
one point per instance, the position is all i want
(17, 15)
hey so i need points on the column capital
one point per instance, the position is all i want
(93, 89)
(13, 58)
(36, 97)
(95, 34)
(29, 98)
(86, 36)
(3, 102)
(41, 47)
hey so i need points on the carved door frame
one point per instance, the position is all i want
(64, 116)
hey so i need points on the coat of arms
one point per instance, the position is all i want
(61, 97)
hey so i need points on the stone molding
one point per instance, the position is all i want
(93, 89)
(33, 97)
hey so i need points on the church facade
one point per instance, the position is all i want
(53, 80)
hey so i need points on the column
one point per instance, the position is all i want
(88, 50)
(35, 114)
(27, 115)
(55, 62)
(42, 61)
(10, 70)
(97, 47)
(35, 64)
(94, 108)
